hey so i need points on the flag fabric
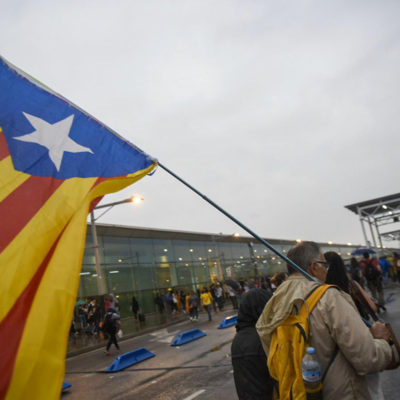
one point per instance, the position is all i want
(55, 161)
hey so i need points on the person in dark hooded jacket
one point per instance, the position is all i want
(250, 371)
(111, 326)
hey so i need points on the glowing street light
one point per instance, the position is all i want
(136, 199)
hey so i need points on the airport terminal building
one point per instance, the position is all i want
(142, 262)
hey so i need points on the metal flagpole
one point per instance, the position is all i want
(261, 240)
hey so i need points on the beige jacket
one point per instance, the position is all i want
(334, 320)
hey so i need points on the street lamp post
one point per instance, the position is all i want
(101, 284)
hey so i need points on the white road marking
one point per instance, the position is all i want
(194, 395)
(163, 336)
(231, 372)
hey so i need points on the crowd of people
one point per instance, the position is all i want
(351, 345)
(212, 299)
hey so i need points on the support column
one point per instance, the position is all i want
(362, 227)
(372, 232)
(379, 234)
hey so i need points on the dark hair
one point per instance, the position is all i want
(278, 278)
(366, 255)
(353, 262)
(337, 272)
(303, 255)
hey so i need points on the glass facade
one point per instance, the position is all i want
(143, 262)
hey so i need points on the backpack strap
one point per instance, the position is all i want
(313, 298)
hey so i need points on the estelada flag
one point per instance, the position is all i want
(55, 160)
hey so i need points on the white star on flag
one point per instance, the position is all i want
(55, 137)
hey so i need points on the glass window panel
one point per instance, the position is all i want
(116, 249)
(166, 276)
(119, 278)
(163, 251)
(240, 251)
(182, 248)
(88, 282)
(201, 273)
(144, 277)
(198, 251)
(142, 251)
(184, 276)
(225, 252)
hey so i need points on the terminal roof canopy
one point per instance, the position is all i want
(377, 212)
(380, 206)
(393, 235)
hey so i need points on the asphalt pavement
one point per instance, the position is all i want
(198, 370)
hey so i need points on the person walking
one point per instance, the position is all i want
(135, 307)
(373, 274)
(158, 300)
(213, 297)
(111, 326)
(385, 267)
(338, 276)
(355, 271)
(206, 301)
(193, 306)
(232, 296)
(219, 296)
(347, 349)
(249, 362)
(82, 313)
(93, 317)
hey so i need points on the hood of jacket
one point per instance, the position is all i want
(251, 307)
(286, 298)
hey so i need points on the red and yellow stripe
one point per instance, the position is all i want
(41, 246)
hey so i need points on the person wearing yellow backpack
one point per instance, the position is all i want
(305, 313)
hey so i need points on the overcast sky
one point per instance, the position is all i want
(282, 112)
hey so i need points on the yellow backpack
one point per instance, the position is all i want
(288, 346)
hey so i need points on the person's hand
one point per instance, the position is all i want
(379, 331)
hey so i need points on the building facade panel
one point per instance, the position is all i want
(144, 262)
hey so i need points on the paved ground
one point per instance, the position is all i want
(198, 370)
(202, 367)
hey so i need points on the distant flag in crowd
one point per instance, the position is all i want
(55, 160)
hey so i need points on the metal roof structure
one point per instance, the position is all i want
(393, 235)
(376, 213)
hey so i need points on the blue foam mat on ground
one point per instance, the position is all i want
(188, 336)
(127, 359)
(65, 386)
(227, 322)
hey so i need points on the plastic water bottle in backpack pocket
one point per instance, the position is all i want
(311, 371)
